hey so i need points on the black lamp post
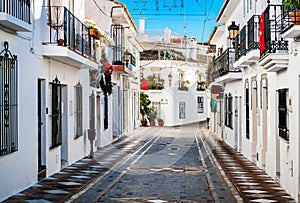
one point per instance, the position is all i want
(233, 32)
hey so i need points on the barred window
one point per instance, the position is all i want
(8, 102)
(78, 110)
(282, 114)
(181, 110)
(247, 113)
(228, 110)
(56, 114)
(200, 101)
(118, 37)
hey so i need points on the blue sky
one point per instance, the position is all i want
(198, 16)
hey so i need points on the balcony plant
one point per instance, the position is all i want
(293, 7)
(144, 107)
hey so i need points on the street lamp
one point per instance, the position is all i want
(127, 57)
(233, 32)
(170, 79)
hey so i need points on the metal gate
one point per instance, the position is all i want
(56, 114)
(8, 102)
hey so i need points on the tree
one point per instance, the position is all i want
(144, 105)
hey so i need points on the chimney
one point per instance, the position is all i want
(142, 25)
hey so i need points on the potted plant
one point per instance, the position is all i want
(60, 42)
(93, 29)
(293, 7)
(160, 121)
(152, 116)
(144, 107)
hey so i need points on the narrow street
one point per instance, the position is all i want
(159, 164)
(173, 165)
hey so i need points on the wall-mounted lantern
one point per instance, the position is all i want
(233, 32)
(170, 79)
(127, 57)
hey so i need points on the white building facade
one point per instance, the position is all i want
(173, 78)
(54, 111)
(264, 98)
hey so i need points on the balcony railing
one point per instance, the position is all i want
(243, 45)
(253, 33)
(290, 16)
(272, 30)
(65, 27)
(224, 63)
(19, 9)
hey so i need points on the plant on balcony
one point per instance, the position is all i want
(98, 33)
(155, 83)
(183, 85)
(293, 7)
(144, 107)
(292, 4)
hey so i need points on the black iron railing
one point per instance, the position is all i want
(224, 63)
(119, 40)
(272, 30)
(243, 38)
(67, 30)
(19, 9)
(290, 15)
(253, 33)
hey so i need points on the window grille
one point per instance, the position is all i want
(200, 101)
(118, 37)
(181, 110)
(157, 108)
(247, 114)
(283, 114)
(78, 110)
(56, 114)
(8, 101)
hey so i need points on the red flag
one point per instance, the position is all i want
(262, 43)
(144, 85)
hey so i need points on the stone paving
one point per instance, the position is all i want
(252, 183)
(159, 165)
(174, 167)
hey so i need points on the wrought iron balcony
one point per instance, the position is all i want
(16, 14)
(290, 19)
(224, 63)
(68, 31)
(274, 41)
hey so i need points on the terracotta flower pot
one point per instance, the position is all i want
(160, 123)
(152, 123)
(93, 32)
(144, 123)
(60, 42)
(295, 17)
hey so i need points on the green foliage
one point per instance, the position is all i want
(292, 4)
(152, 114)
(144, 105)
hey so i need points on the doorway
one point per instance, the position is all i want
(64, 127)
(254, 121)
(41, 129)
(264, 106)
